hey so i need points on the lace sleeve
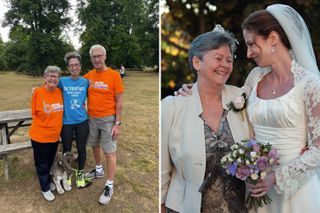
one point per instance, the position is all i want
(295, 174)
(167, 111)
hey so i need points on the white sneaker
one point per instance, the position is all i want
(94, 174)
(106, 195)
(48, 195)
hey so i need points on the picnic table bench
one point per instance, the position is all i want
(10, 121)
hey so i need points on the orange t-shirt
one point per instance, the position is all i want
(47, 113)
(103, 87)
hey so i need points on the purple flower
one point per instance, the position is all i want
(256, 147)
(232, 168)
(273, 154)
(250, 143)
(243, 172)
(262, 163)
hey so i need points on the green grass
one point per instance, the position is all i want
(136, 181)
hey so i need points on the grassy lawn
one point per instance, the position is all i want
(136, 182)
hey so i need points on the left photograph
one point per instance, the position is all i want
(79, 113)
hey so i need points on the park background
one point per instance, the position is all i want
(183, 20)
(38, 34)
(129, 30)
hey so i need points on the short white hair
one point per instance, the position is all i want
(51, 69)
(97, 46)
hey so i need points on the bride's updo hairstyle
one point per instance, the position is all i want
(210, 41)
(263, 23)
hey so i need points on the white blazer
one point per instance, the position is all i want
(183, 155)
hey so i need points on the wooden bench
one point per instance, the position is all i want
(9, 148)
(13, 120)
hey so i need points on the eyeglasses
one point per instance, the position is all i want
(52, 76)
(96, 56)
(74, 65)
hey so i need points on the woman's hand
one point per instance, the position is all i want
(262, 187)
(305, 148)
(185, 90)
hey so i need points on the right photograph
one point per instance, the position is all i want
(240, 107)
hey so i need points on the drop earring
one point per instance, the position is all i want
(273, 49)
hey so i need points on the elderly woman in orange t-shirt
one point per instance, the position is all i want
(47, 112)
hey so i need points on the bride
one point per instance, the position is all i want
(284, 106)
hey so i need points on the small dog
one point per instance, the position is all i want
(60, 170)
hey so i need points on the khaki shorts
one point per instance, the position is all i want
(100, 133)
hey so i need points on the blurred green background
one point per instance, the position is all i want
(183, 20)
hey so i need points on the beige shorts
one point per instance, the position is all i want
(100, 133)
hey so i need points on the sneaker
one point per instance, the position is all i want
(69, 181)
(48, 195)
(94, 174)
(81, 181)
(106, 195)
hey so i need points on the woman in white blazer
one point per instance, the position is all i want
(197, 130)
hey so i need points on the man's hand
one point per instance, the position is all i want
(115, 132)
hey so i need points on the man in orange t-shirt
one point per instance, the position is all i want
(104, 109)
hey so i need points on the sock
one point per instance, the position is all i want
(109, 183)
(99, 168)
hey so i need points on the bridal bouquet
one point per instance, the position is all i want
(252, 160)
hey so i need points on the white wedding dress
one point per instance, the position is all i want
(289, 123)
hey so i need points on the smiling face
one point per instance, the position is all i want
(74, 67)
(258, 48)
(215, 66)
(98, 58)
(51, 80)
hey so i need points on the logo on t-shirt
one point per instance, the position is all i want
(74, 104)
(99, 85)
(55, 107)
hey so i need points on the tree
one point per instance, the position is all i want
(35, 34)
(186, 19)
(3, 64)
(122, 27)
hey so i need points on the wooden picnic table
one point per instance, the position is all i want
(10, 121)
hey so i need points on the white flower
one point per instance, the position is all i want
(254, 176)
(271, 160)
(253, 154)
(248, 162)
(241, 151)
(239, 160)
(224, 159)
(239, 102)
(230, 159)
(235, 146)
(263, 174)
(235, 153)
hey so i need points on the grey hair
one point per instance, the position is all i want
(210, 41)
(51, 69)
(97, 46)
(71, 55)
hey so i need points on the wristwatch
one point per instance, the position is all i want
(118, 122)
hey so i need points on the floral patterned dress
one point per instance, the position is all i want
(221, 193)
